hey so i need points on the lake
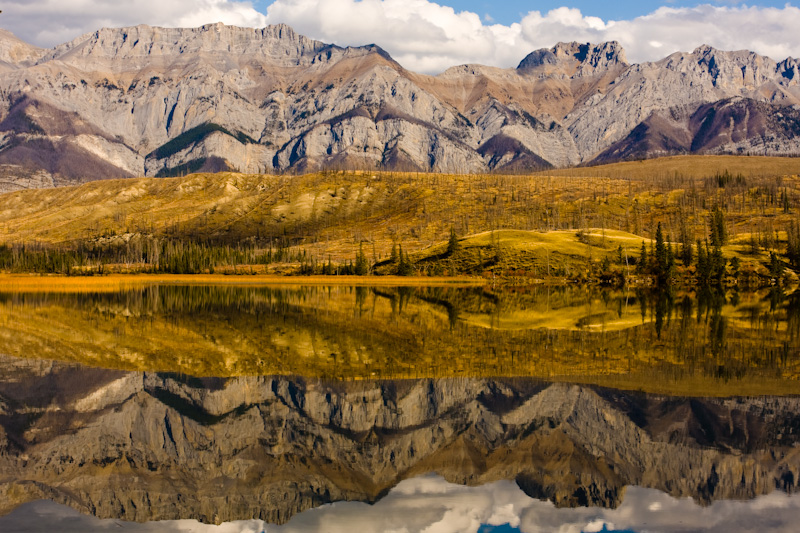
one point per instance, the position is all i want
(390, 408)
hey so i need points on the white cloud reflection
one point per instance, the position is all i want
(431, 505)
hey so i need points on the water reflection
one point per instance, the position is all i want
(143, 447)
(431, 504)
(704, 344)
(184, 403)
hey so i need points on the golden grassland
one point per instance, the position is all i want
(329, 215)
(695, 166)
(354, 333)
(566, 254)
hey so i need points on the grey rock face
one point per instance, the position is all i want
(136, 446)
(15, 53)
(583, 57)
(121, 48)
(735, 125)
(161, 101)
(16, 177)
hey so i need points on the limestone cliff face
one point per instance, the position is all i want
(15, 53)
(150, 98)
(150, 447)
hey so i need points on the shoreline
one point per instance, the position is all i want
(51, 282)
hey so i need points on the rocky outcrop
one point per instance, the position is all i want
(15, 53)
(736, 125)
(17, 177)
(120, 49)
(576, 59)
(278, 101)
(134, 446)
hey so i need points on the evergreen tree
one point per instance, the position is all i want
(404, 267)
(775, 266)
(660, 254)
(717, 264)
(362, 265)
(719, 233)
(686, 254)
(641, 266)
(605, 265)
(670, 270)
(793, 245)
(703, 271)
(452, 243)
(735, 265)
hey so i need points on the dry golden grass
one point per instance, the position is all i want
(692, 166)
(538, 254)
(330, 214)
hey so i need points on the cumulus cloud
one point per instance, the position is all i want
(51, 22)
(426, 36)
(421, 35)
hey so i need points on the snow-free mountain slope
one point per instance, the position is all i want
(157, 101)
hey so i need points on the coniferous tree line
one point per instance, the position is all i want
(150, 254)
(707, 256)
(191, 256)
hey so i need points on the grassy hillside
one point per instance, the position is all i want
(691, 166)
(330, 215)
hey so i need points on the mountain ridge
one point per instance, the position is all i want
(311, 105)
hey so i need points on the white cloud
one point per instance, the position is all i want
(50, 22)
(425, 36)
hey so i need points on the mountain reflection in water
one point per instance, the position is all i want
(144, 446)
(409, 403)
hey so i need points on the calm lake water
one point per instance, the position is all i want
(398, 409)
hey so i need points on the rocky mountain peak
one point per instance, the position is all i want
(739, 68)
(279, 43)
(706, 54)
(152, 101)
(15, 51)
(581, 55)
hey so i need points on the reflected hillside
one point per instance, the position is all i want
(132, 445)
(708, 344)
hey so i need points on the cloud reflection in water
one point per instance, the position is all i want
(432, 505)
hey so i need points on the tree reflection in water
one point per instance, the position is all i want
(713, 342)
(264, 402)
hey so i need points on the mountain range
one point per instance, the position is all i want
(148, 101)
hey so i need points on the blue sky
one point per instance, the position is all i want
(510, 11)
